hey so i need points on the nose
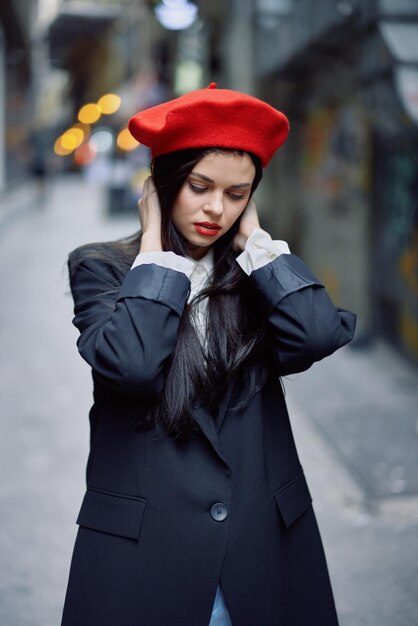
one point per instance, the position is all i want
(214, 204)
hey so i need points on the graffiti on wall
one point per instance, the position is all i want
(335, 170)
(401, 199)
(398, 177)
(336, 156)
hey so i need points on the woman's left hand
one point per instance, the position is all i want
(249, 221)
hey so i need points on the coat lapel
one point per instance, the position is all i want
(211, 426)
(223, 407)
(208, 427)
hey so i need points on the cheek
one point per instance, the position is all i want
(234, 214)
(178, 213)
(181, 210)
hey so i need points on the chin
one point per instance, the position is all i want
(201, 240)
(199, 244)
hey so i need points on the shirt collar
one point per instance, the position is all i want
(206, 262)
(201, 272)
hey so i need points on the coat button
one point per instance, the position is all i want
(219, 512)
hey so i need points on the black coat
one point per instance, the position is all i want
(151, 547)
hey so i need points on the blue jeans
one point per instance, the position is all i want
(220, 614)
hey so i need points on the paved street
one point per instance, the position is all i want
(355, 418)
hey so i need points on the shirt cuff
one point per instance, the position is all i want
(260, 249)
(169, 260)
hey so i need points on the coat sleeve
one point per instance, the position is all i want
(128, 336)
(304, 323)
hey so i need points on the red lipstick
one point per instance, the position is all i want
(207, 228)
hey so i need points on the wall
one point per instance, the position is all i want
(2, 109)
(395, 235)
(323, 179)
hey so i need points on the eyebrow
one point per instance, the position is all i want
(209, 180)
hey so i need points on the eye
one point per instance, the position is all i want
(196, 188)
(236, 196)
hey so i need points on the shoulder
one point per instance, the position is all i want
(103, 264)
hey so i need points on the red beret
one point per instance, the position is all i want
(212, 118)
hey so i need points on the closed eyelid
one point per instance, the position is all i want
(197, 182)
(237, 189)
(197, 185)
(204, 178)
(196, 188)
(233, 192)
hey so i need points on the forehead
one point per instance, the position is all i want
(227, 167)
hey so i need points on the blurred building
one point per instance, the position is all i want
(16, 19)
(106, 48)
(56, 56)
(100, 45)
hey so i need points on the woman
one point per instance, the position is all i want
(197, 511)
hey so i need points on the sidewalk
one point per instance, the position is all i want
(16, 202)
(354, 417)
(369, 417)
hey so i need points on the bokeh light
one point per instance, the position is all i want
(72, 138)
(59, 149)
(101, 140)
(68, 141)
(109, 103)
(89, 113)
(176, 14)
(85, 154)
(125, 141)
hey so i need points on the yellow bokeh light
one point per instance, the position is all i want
(78, 133)
(59, 148)
(125, 141)
(68, 141)
(72, 138)
(89, 113)
(109, 103)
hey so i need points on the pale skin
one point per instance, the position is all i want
(216, 191)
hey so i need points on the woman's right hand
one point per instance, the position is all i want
(150, 217)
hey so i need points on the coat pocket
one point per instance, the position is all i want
(293, 499)
(112, 513)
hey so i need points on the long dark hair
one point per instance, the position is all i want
(235, 339)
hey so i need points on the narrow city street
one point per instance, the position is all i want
(355, 419)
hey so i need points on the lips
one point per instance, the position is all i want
(209, 229)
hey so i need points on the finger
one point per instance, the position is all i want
(145, 186)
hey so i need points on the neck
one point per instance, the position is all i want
(198, 252)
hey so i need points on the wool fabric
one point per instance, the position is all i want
(212, 117)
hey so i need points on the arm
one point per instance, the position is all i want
(127, 337)
(304, 323)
